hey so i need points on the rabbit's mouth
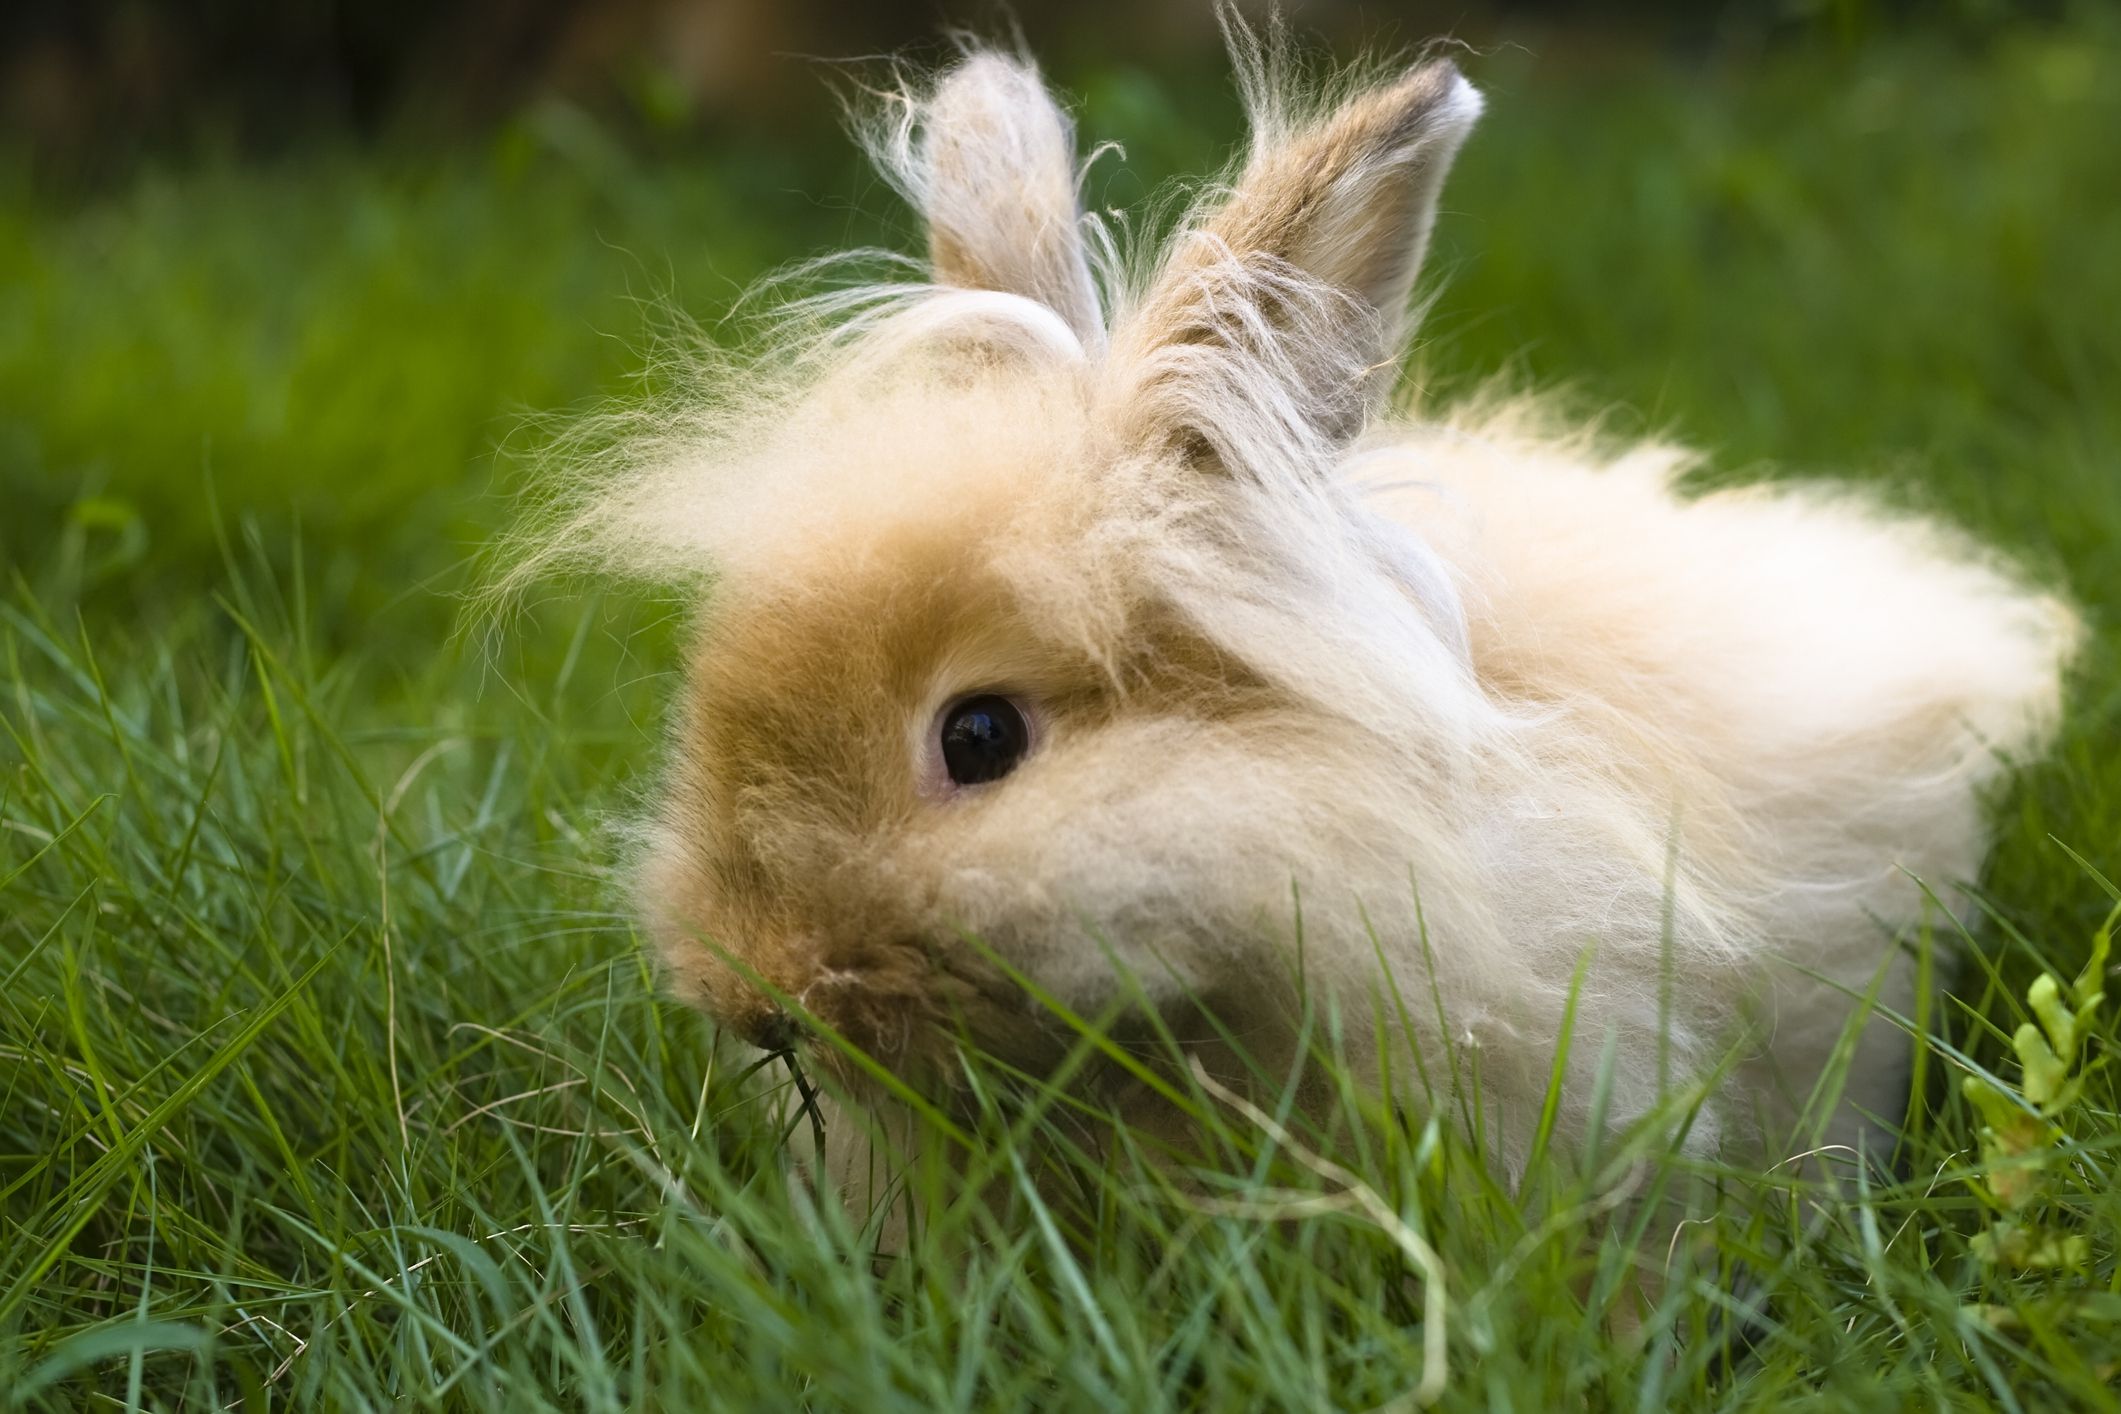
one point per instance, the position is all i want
(907, 1006)
(918, 1024)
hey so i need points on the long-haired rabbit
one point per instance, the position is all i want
(1085, 613)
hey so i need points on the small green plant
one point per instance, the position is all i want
(2024, 1133)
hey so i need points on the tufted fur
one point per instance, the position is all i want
(1279, 634)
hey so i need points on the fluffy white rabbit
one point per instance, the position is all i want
(1099, 605)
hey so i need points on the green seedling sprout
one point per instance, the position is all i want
(2021, 1133)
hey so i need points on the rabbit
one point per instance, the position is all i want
(1088, 613)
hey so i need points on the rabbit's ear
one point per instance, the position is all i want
(1292, 295)
(993, 168)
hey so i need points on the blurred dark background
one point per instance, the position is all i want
(91, 86)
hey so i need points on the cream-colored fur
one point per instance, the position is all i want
(1485, 693)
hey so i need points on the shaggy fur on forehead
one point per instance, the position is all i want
(1292, 638)
(1221, 337)
(857, 409)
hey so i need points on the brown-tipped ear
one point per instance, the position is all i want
(996, 177)
(1351, 201)
(1308, 266)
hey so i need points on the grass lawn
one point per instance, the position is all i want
(333, 1076)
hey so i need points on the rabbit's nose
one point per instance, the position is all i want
(773, 1030)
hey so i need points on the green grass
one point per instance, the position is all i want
(330, 1078)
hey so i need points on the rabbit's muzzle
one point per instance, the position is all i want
(772, 1029)
(906, 1003)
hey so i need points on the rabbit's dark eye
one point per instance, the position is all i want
(983, 739)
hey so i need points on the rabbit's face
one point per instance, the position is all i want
(962, 715)
(1040, 647)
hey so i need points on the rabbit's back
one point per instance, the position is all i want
(1825, 685)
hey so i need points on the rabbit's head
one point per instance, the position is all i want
(1041, 648)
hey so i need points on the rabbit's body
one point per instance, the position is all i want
(1105, 631)
(1800, 694)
